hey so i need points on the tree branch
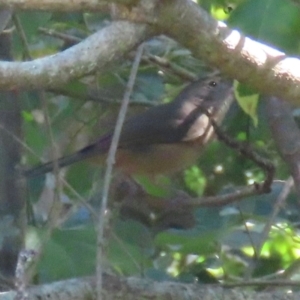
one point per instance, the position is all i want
(94, 53)
(265, 69)
(63, 5)
(286, 135)
(136, 288)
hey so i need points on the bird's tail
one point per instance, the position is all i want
(85, 153)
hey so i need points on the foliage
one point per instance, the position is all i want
(220, 245)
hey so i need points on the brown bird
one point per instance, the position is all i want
(164, 139)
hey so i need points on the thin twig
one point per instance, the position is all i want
(265, 233)
(70, 39)
(248, 231)
(222, 200)
(55, 210)
(17, 139)
(245, 150)
(110, 163)
(170, 66)
(22, 36)
(81, 200)
(93, 95)
(126, 251)
(249, 153)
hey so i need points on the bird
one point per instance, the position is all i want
(165, 138)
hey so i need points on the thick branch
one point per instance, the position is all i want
(286, 135)
(265, 69)
(94, 53)
(136, 288)
(63, 5)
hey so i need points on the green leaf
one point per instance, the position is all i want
(27, 116)
(189, 242)
(219, 12)
(82, 176)
(195, 180)
(276, 22)
(127, 259)
(134, 233)
(131, 248)
(69, 253)
(161, 189)
(247, 100)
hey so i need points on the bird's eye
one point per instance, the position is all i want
(212, 83)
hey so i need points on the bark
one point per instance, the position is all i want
(263, 68)
(96, 53)
(135, 288)
(286, 135)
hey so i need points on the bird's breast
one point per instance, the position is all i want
(158, 159)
